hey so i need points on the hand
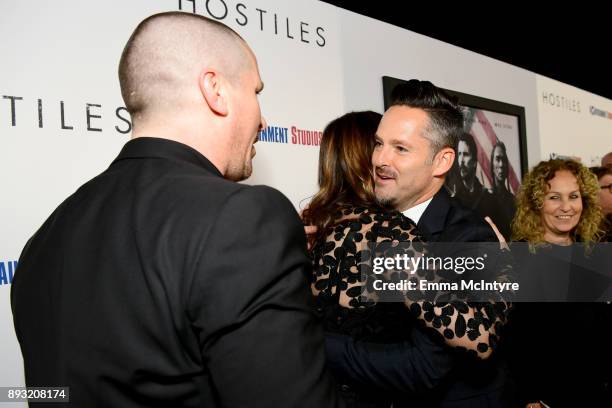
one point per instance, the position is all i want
(534, 405)
(502, 242)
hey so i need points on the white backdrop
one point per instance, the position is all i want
(317, 62)
(573, 122)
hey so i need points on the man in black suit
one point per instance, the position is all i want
(162, 282)
(415, 149)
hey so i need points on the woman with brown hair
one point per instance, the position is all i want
(348, 221)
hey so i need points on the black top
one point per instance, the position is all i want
(559, 349)
(161, 284)
(419, 371)
(348, 306)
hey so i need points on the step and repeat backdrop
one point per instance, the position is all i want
(572, 122)
(62, 119)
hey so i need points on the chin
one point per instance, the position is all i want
(565, 229)
(386, 202)
(245, 174)
(241, 175)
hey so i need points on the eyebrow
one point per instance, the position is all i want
(399, 142)
(394, 141)
(557, 192)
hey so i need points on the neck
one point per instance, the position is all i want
(431, 191)
(558, 239)
(189, 132)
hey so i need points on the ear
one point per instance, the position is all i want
(212, 86)
(443, 161)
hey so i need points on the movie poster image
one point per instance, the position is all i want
(487, 172)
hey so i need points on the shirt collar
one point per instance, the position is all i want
(155, 147)
(417, 211)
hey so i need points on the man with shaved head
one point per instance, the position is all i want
(162, 282)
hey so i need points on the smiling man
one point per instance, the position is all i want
(415, 149)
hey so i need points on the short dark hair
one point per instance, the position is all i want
(445, 115)
(468, 139)
(601, 171)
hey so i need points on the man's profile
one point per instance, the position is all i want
(161, 282)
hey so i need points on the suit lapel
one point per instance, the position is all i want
(433, 220)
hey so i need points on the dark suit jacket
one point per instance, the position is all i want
(421, 364)
(161, 284)
(446, 220)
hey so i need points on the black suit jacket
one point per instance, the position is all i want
(446, 220)
(161, 284)
(426, 372)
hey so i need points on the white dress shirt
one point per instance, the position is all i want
(417, 211)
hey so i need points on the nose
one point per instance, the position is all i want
(379, 157)
(263, 124)
(565, 206)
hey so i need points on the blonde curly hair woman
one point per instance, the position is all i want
(550, 341)
(558, 204)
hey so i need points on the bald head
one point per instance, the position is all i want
(161, 62)
(607, 159)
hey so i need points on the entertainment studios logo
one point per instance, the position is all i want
(293, 135)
